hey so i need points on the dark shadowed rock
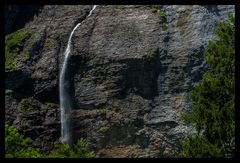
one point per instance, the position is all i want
(17, 16)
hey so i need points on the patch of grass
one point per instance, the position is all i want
(8, 91)
(161, 14)
(102, 111)
(13, 47)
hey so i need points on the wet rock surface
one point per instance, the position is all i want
(130, 78)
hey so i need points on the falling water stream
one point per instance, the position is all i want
(65, 100)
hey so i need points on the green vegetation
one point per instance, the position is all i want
(162, 16)
(13, 48)
(28, 47)
(16, 146)
(201, 147)
(213, 99)
(164, 26)
(8, 91)
(103, 130)
(102, 111)
(79, 150)
(159, 13)
(24, 106)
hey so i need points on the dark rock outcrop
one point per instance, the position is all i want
(130, 78)
(17, 16)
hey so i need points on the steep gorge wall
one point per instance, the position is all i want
(130, 78)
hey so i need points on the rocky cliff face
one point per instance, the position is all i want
(130, 77)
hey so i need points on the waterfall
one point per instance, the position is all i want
(65, 101)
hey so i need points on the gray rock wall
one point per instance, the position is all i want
(130, 78)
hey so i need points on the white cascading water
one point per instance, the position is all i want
(65, 101)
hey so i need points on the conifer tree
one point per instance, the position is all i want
(213, 99)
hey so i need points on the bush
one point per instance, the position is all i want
(79, 150)
(16, 146)
(213, 99)
(161, 14)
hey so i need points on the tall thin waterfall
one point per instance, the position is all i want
(65, 101)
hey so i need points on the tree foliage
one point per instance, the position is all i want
(16, 146)
(213, 99)
(202, 147)
(78, 150)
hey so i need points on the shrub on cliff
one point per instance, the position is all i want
(213, 99)
(78, 150)
(16, 146)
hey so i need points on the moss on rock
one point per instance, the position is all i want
(24, 105)
(14, 45)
